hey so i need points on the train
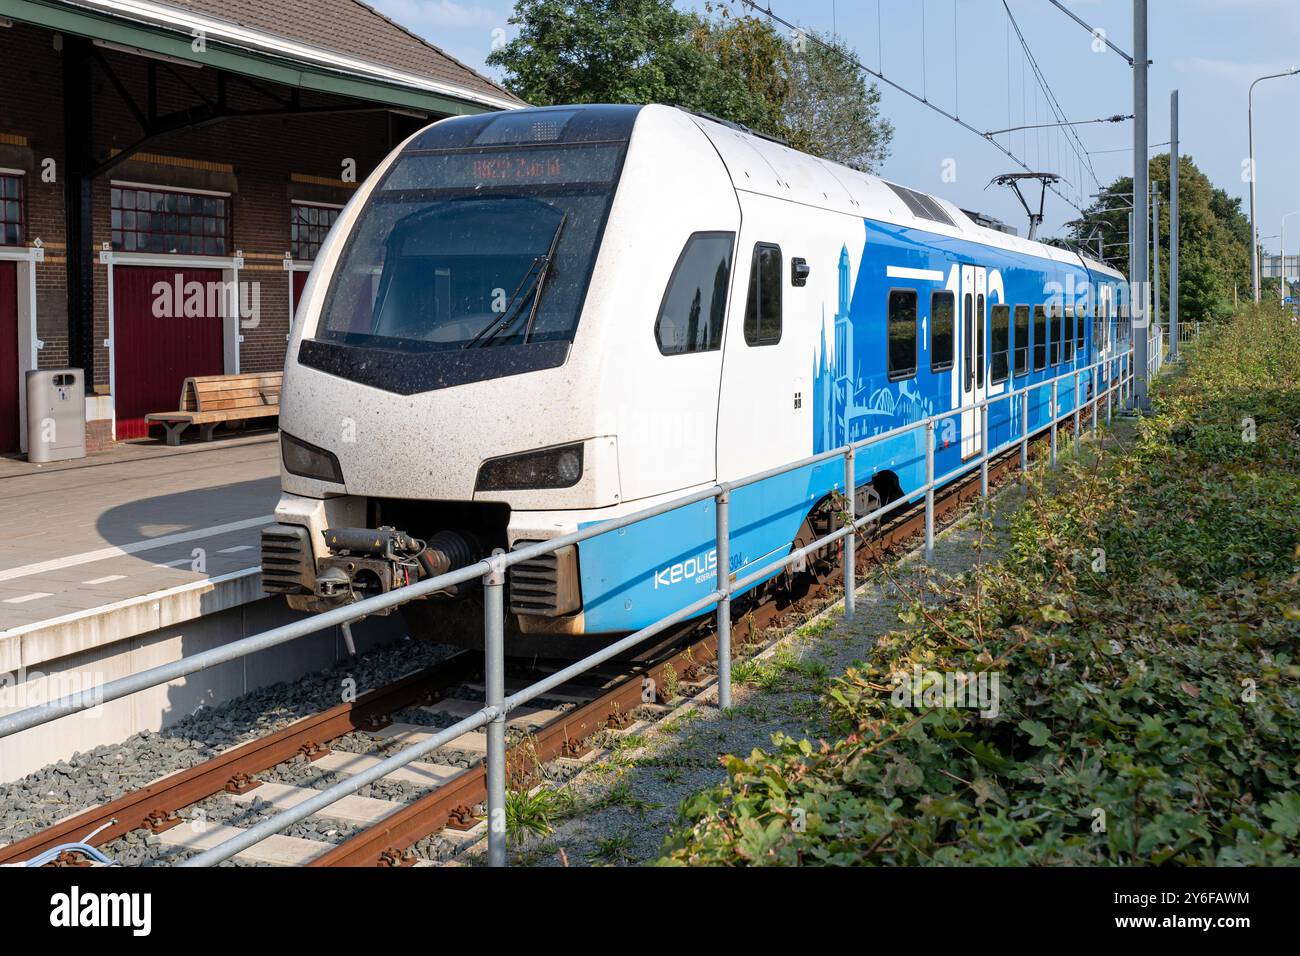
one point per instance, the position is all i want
(529, 322)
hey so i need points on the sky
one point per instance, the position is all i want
(964, 56)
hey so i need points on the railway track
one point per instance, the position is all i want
(381, 832)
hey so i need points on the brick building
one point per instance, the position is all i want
(202, 146)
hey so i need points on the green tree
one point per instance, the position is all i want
(735, 67)
(750, 69)
(1213, 237)
(627, 51)
(831, 111)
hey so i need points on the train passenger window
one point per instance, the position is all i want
(980, 339)
(1000, 354)
(1040, 337)
(1057, 331)
(695, 302)
(943, 306)
(902, 334)
(1067, 338)
(763, 308)
(1022, 339)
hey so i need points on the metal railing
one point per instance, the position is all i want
(1161, 346)
(492, 572)
(1188, 331)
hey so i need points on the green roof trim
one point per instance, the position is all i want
(218, 56)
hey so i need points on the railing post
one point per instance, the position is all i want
(1096, 396)
(929, 490)
(722, 546)
(984, 455)
(1024, 430)
(1053, 410)
(1078, 397)
(494, 682)
(850, 545)
(1110, 387)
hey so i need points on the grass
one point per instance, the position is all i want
(784, 669)
(621, 795)
(530, 815)
(613, 849)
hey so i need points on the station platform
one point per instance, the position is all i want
(133, 558)
(87, 537)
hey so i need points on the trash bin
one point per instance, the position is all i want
(56, 415)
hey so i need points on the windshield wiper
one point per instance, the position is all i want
(533, 282)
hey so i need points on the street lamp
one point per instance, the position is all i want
(1282, 237)
(1250, 133)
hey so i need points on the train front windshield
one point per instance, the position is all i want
(461, 249)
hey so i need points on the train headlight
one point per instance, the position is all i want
(308, 461)
(559, 467)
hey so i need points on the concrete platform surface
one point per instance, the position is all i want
(129, 523)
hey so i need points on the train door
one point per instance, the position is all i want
(765, 408)
(974, 309)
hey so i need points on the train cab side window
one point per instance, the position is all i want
(1022, 339)
(1081, 331)
(942, 310)
(695, 302)
(1067, 337)
(1040, 338)
(1099, 322)
(902, 334)
(1057, 329)
(1000, 353)
(763, 307)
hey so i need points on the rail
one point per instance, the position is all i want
(492, 572)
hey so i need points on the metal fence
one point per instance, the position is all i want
(492, 572)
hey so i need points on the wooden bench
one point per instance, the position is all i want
(209, 400)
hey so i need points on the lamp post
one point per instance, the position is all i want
(1250, 134)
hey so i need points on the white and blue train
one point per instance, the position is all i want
(528, 322)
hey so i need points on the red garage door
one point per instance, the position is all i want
(9, 382)
(162, 336)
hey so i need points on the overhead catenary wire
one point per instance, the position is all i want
(1050, 97)
(879, 75)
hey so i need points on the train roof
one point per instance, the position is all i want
(767, 167)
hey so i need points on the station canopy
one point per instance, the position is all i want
(339, 47)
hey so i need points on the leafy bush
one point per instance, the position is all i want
(1149, 706)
